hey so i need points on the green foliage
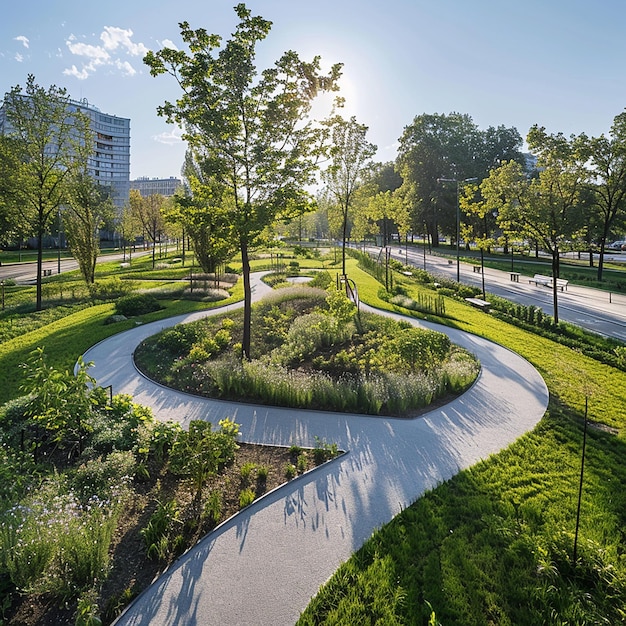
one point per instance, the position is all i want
(60, 401)
(87, 613)
(246, 497)
(159, 532)
(324, 451)
(200, 452)
(213, 506)
(54, 544)
(420, 348)
(321, 280)
(425, 303)
(136, 304)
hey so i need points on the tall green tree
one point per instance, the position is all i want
(88, 207)
(52, 141)
(350, 155)
(450, 146)
(607, 184)
(250, 132)
(204, 215)
(545, 208)
(148, 212)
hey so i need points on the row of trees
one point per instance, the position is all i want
(44, 156)
(253, 155)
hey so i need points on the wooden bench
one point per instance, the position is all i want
(476, 269)
(561, 283)
(539, 279)
(515, 277)
(478, 303)
(47, 272)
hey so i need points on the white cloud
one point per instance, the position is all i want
(18, 57)
(114, 38)
(126, 68)
(116, 43)
(76, 73)
(23, 39)
(169, 138)
(167, 43)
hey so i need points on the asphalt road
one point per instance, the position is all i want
(595, 310)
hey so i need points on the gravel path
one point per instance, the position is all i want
(263, 565)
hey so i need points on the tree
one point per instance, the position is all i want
(52, 142)
(350, 155)
(12, 225)
(448, 146)
(250, 132)
(88, 207)
(148, 213)
(205, 221)
(607, 166)
(545, 208)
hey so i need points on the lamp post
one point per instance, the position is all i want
(458, 216)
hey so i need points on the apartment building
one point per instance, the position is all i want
(109, 163)
(150, 186)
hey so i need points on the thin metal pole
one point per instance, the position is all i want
(580, 486)
(458, 231)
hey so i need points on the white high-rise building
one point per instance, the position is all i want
(109, 163)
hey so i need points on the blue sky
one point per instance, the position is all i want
(557, 63)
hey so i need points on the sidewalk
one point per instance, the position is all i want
(263, 565)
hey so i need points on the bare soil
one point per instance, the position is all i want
(131, 569)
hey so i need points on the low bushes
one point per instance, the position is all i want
(310, 351)
(136, 304)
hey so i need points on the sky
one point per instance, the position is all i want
(557, 63)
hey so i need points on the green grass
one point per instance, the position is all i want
(494, 544)
(65, 339)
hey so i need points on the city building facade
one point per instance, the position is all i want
(151, 186)
(109, 163)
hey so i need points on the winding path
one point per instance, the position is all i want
(263, 565)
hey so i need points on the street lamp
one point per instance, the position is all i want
(458, 216)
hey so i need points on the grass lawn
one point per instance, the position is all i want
(494, 545)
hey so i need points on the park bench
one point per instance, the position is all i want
(539, 279)
(478, 303)
(476, 269)
(515, 277)
(47, 272)
(546, 281)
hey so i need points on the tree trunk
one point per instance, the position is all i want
(601, 259)
(344, 238)
(555, 275)
(39, 304)
(247, 301)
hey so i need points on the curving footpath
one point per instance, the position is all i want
(263, 565)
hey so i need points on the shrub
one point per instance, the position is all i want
(136, 304)
(160, 528)
(246, 497)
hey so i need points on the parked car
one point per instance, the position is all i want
(617, 245)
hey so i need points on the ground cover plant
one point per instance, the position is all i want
(311, 349)
(97, 496)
